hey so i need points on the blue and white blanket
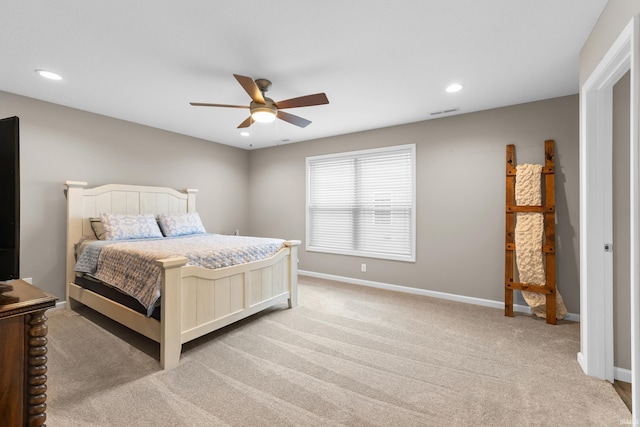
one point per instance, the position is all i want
(131, 266)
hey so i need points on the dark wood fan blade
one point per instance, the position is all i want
(201, 104)
(246, 123)
(303, 101)
(294, 120)
(250, 86)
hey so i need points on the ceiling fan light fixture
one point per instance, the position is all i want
(263, 114)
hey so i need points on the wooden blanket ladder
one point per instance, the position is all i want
(549, 244)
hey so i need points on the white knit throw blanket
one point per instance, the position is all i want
(529, 235)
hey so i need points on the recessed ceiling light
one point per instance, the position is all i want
(454, 87)
(245, 133)
(49, 75)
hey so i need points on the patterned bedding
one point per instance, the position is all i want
(130, 265)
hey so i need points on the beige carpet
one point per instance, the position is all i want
(346, 356)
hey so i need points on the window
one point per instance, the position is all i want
(363, 203)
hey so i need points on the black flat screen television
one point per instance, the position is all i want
(9, 198)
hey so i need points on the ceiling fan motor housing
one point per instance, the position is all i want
(263, 84)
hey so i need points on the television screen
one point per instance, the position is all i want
(9, 199)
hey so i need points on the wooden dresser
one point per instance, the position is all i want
(23, 355)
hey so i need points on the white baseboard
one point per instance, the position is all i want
(581, 362)
(621, 374)
(60, 305)
(435, 294)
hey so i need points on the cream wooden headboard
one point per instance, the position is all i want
(84, 203)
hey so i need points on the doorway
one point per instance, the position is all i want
(596, 356)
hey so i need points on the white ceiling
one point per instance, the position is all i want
(381, 63)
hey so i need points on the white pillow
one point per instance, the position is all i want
(124, 227)
(181, 224)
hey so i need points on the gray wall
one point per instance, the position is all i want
(460, 197)
(59, 144)
(460, 200)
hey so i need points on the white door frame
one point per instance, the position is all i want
(596, 207)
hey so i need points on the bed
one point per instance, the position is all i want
(194, 300)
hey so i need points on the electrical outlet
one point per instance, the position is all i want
(363, 268)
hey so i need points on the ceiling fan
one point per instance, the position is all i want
(264, 109)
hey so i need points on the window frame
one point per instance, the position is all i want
(410, 257)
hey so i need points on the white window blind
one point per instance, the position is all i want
(363, 203)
